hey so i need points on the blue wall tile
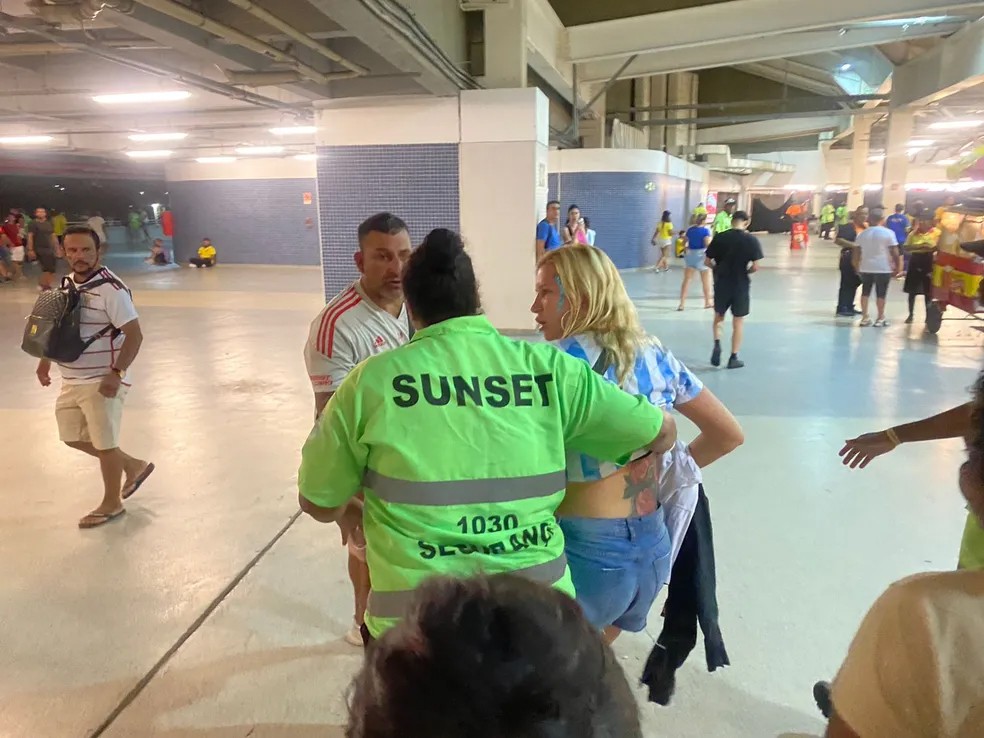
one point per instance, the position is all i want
(250, 221)
(417, 182)
(624, 208)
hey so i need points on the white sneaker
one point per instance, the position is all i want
(881, 323)
(354, 636)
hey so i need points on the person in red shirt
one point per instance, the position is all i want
(167, 223)
(10, 248)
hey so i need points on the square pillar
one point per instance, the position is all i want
(896, 157)
(505, 45)
(859, 161)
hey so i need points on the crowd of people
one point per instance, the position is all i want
(554, 469)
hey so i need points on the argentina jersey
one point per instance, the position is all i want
(657, 375)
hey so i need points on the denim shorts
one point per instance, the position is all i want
(618, 566)
(694, 259)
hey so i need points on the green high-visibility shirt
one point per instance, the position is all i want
(458, 441)
(842, 215)
(722, 222)
(827, 214)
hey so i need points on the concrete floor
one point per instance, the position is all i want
(161, 625)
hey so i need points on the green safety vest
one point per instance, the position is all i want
(722, 222)
(827, 214)
(842, 215)
(458, 441)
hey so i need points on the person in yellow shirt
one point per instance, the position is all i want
(947, 203)
(59, 224)
(663, 238)
(920, 245)
(206, 255)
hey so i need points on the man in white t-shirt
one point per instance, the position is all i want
(367, 318)
(98, 224)
(877, 260)
(89, 408)
(916, 666)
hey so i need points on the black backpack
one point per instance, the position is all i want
(53, 327)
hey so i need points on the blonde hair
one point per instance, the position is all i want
(599, 304)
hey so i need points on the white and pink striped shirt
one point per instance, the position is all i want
(349, 330)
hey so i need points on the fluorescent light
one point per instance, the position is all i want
(871, 187)
(306, 157)
(142, 97)
(876, 157)
(25, 139)
(918, 143)
(845, 67)
(141, 192)
(150, 154)
(803, 187)
(293, 130)
(945, 162)
(951, 125)
(214, 160)
(834, 188)
(259, 150)
(157, 136)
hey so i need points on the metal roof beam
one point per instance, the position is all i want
(954, 65)
(800, 82)
(766, 130)
(734, 21)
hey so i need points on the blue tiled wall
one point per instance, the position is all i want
(417, 182)
(624, 208)
(250, 221)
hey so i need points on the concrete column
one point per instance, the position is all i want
(593, 131)
(859, 161)
(681, 90)
(641, 98)
(657, 93)
(896, 157)
(505, 45)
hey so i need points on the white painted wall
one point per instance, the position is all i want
(411, 119)
(625, 160)
(831, 167)
(258, 168)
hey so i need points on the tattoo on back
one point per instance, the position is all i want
(640, 484)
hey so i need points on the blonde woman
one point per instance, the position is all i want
(618, 546)
(698, 239)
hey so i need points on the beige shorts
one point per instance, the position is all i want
(84, 415)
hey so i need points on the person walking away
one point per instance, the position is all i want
(842, 215)
(133, 226)
(734, 255)
(11, 229)
(574, 230)
(698, 239)
(206, 255)
(6, 261)
(89, 408)
(459, 440)
(828, 215)
(98, 224)
(663, 239)
(617, 542)
(590, 233)
(59, 223)
(42, 246)
(547, 232)
(920, 246)
(722, 221)
(849, 279)
(876, 259)
(900, 224)
(363, 320)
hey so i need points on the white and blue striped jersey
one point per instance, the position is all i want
(657, 374)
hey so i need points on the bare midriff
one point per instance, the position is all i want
(629, 492)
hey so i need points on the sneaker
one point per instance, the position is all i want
(716, 356)
(865, 322)
(881, 323)
(735, 363)
(821, 694)
(909, 320)
(844, 314)
(354, 635)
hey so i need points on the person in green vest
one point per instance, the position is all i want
(842, 215)
(458, 441)
(828, 214)
(722, 221)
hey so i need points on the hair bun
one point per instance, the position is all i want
(441, 249)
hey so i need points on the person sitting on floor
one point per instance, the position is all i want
(206, 255)
(158, 256)
(491, 657)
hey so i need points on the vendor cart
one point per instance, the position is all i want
(959, 264)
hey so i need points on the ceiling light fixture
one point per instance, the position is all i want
(306, 157)
(293, 130)
(800, 187)
(876, 157)
(259, 150)
(946, 162)
(175, 136)
(150, 154)
(953, 125)
(214, 160)
(142, 97)
(845, 67)
(14, 140)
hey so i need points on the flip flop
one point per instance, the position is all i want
(133, 486)
(96, 519)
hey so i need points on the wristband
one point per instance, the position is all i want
(893, 437)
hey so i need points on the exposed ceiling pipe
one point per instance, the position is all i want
(172, 74)
(74, 14)
(187, 15)
(259, 79)
(39, 49)
(297, 35)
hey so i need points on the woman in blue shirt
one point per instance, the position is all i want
(617, 543)
(698, 239)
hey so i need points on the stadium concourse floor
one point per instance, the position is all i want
(208, 610)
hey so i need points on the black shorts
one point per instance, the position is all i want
(47, 261)
(734, 297)
(879, 281)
